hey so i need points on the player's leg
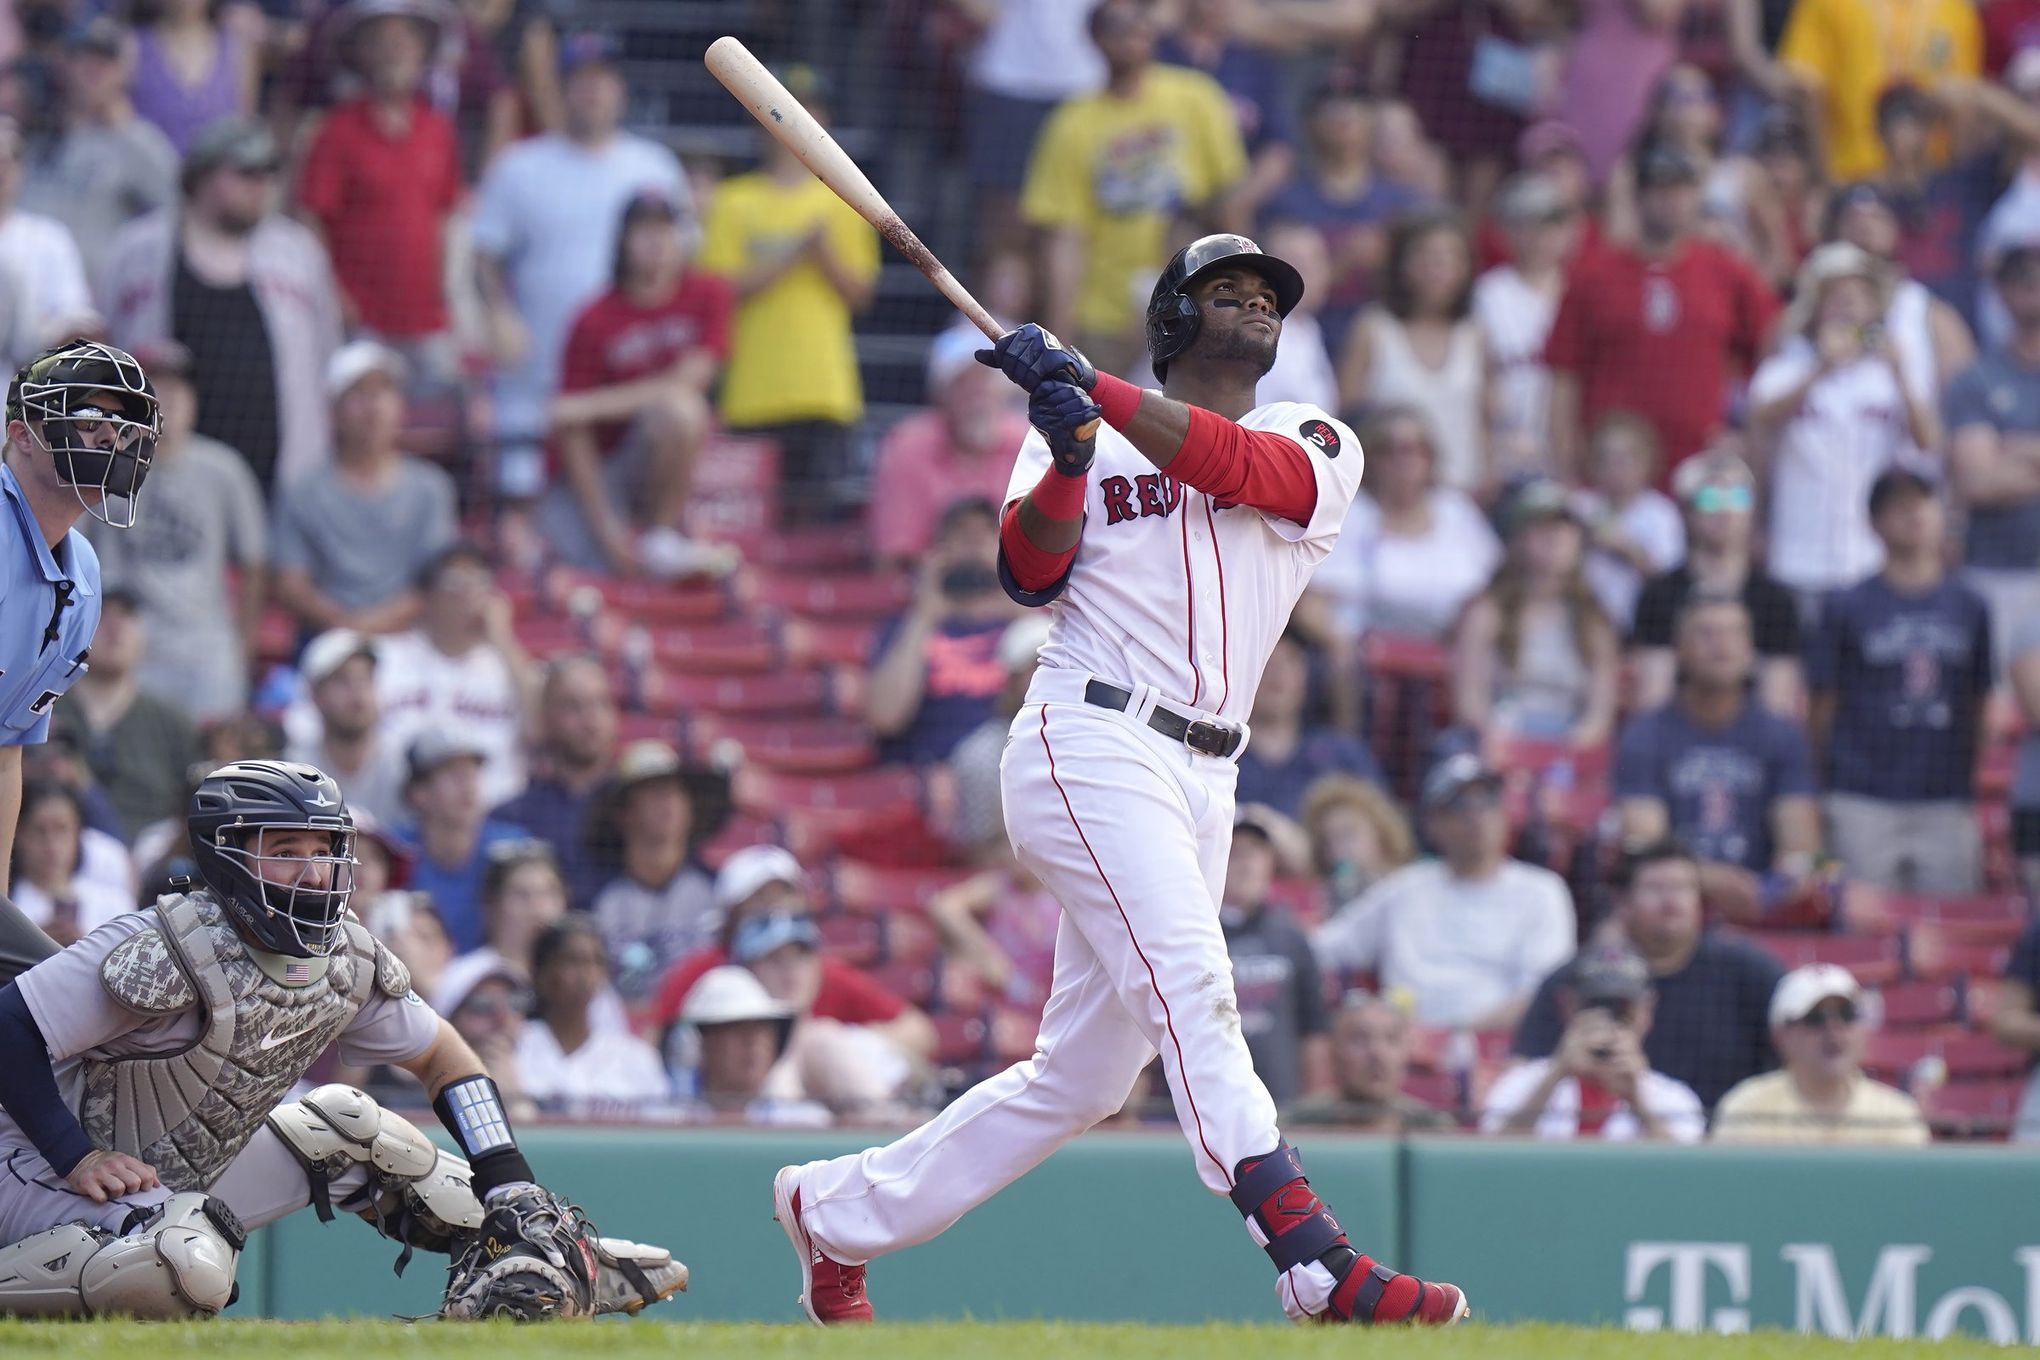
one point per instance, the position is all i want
(154, 1254)
(1137, 857)
(851, 1209)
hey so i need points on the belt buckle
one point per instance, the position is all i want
(1210, 738)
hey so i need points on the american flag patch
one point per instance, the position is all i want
(297, 974)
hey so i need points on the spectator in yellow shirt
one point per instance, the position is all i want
(1821, 1094)
(1851, 51)
(1114, 172)
(803, 263)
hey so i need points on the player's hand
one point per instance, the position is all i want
(1031, 355)
(1622, 1071)
(101, 1175)
(1062, 410)
(1585, 1039)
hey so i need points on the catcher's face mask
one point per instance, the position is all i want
(92, 409)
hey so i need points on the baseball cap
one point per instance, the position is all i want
(1802, 989)
(1021, 643)
(1453, 776)
(2015, 259)
(1543, 498)
(1605, 973)
(644, 761)
(331, 650)
(357, 359)
(124, 596)
(437, 746)
(1895, 482)
(764, 935)
(949, 354)
(579, 51)
(651, 203)
(729, 994)
(752, 868)
(1719, 468)
(243, 143)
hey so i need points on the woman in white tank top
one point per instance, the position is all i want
(1420, 347)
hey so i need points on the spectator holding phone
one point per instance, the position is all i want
(1598, 1084)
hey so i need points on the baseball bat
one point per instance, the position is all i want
(775, 108)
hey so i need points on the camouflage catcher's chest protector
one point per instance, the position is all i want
(189, 1112)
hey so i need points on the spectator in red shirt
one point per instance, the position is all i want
(765, 881)
(379, 182)
(633, 411)
(1660, 327)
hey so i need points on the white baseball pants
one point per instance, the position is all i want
(1131, 832)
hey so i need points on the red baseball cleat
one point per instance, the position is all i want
(1380, 1297)
(830, 1292)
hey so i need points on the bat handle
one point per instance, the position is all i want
(1086, 430)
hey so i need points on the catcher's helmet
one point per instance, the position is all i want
(1173, 318)
(235, 808)
(94, 443)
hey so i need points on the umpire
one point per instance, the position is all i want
(82, 425)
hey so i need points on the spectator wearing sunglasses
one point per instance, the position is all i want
(1821, 1094)
(1718, 494)
(1598, 1084)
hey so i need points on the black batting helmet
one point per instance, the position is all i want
(1173, 318)
(94, 443)
(233, 810)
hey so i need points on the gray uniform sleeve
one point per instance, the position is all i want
(64, 994)
(386, 1030)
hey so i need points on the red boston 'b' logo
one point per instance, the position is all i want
(1320, 435)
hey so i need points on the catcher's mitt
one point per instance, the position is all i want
(533, 1258)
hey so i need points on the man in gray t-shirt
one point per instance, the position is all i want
(206, 519)
(351, 538)
(107, 166)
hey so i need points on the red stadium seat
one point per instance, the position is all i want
(787, 691)
(832, 595)
(1975, 1108)
(772, 792)
(898, 833)
(821, 548)
(1013, 1032)
(1998, 909)
(647, 727)
(741, 646)
(869, 888)
(1891, 1054)
(1948, 950)
(1873, 959)
(960, 1038)
(796, 745)
(739, 833)
(828, 642)
(1914, 1004)
(1443, 1090)
(276, 637)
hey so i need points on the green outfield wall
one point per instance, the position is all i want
(1116, 1226)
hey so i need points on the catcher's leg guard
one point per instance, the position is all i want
(417, 1194)
(179, 1262)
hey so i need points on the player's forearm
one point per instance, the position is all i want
(28, 1087)
(447, 1061)
(1039, 533)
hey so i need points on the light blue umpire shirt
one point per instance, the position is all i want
(49, 610)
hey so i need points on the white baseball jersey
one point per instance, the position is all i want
(1174, 589)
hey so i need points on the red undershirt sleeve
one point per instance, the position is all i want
(1224, 459)
(1030, 574)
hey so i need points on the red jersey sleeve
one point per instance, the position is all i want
(716, 304)
(854, 997)
(1226, 460)
(582, 362)
(1566, 347)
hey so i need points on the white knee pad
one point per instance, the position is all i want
(420, 1195)
(179, 1263)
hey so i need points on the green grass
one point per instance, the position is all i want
(623, 1340)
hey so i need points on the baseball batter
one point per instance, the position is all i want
(143, 1070)
(1172, 545)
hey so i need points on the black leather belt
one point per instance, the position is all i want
(1205, 738)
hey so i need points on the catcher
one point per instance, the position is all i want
(143, 1070)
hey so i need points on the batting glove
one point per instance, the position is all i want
(1060, 410)
(1031, 355)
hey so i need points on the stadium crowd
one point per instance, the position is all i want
(1649, 759)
